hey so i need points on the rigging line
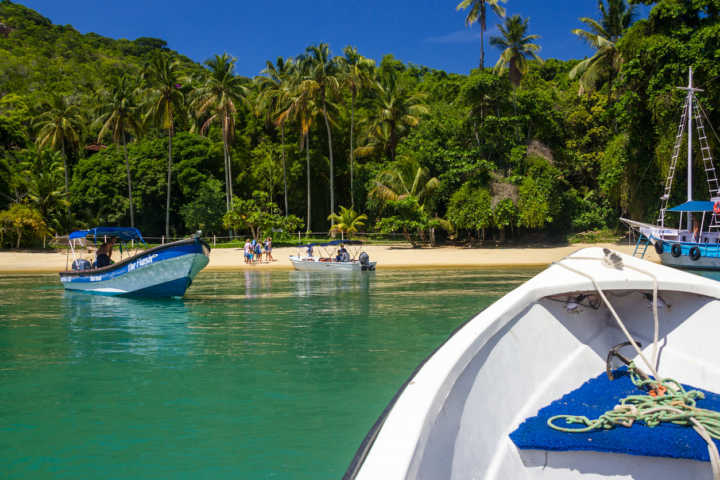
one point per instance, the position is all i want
(707, 119)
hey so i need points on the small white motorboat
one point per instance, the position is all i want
(456, 416)
(344, 261)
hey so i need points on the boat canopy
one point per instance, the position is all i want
(124, 234)
(334, 242)
(693, 206)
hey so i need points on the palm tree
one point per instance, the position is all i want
(478, 13)
(218, 96)
(275, 94)
(604, 33)
(303, 108)
(120, 116)
(164, 79)
(397, 109)
(356, 73)
(348, 221)
(517, 47)
(59, 128)
(43, 179)
(321, 70)
(404, 178)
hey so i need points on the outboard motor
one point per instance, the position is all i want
(81, 264)
(364, 259)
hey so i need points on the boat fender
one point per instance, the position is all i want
(716, 208)
(694, 253)
(676, 250)
(659, 247)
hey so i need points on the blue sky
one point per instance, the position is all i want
(425, 32)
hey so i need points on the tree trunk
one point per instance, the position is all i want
(19, 234)
(482, 46)
(127, 169)
(352, 150)
(332, 175)
(307, 163)
(67, 182)
(282, 136)
(169, 178)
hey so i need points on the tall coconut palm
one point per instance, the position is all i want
(478, 14)
(603, 34)
(219, 96)
(303, 108)
(167, 101)
(517, 47)
(321, 69)
(119, 116)
(396, 110)
(59, 128)
(356, 73)
(402, 179)
(275, 94)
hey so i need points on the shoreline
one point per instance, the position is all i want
(388, 257)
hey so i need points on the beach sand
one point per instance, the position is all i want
(396, 256)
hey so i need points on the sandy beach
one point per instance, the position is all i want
(228, 259)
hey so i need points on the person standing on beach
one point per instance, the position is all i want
(268, 250)
(258, 252)
(246, 251)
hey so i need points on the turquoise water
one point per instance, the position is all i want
(254, 375)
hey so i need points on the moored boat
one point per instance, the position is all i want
(163, 271)
(345, 261)
(695, 242)
(459, 414)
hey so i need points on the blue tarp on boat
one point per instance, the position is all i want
(124, 234)
(693, 206)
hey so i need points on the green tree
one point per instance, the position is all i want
(478, 14)
(22, 220)
(218, 97)
(275, 93)
(348, 221)
(166, 103)
(396, 109)
(517, 47)
(603, 35)
(59, 128)
(42, 176)
(402, 179)
(205, 211)
(259, 215)
(321, 78)
(403, 215)
(470, 209)
(356, 73)
(119, 116)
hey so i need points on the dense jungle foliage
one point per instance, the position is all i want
(91, 129)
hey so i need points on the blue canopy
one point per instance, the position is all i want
(124, 234)
(334, 242)
(693, 206)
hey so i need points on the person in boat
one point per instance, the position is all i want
(268, 249)
(246, 251)
(342, 255)
(104, 254)
(696, 232)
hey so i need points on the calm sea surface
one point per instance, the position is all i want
(252, 375)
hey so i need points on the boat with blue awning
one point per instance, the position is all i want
(163, 271)
(694, 241)
(322, 257)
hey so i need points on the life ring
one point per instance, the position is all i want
(676, 250)
(659, 247)
(716, 208)
(694, 253)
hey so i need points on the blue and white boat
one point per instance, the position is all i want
(163, 271)
(695, 242)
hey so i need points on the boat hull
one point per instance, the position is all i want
(165, 271)
(305, 265)
(453, 417)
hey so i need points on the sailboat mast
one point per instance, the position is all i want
(689, 143)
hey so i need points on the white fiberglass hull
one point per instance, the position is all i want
(315, 265)
(453, 418)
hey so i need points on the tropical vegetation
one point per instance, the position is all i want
(101, 131)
